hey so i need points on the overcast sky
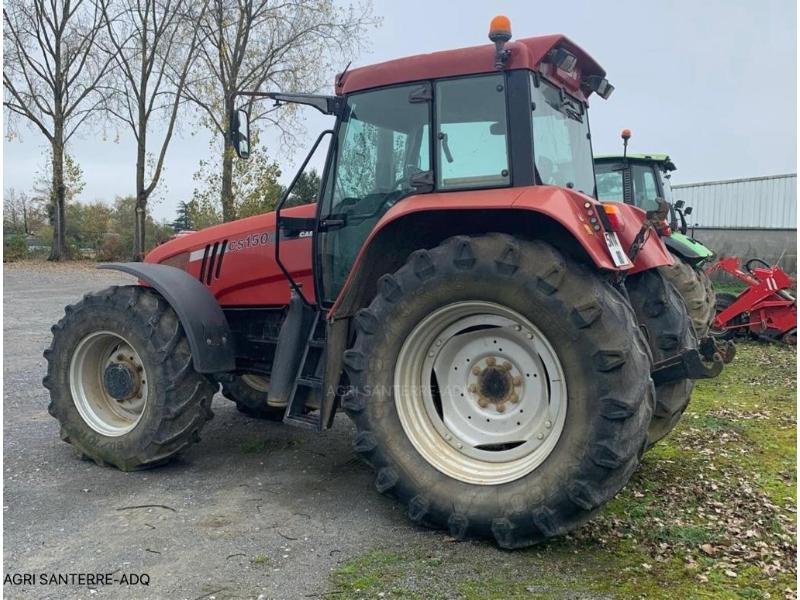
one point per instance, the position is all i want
(712, 83)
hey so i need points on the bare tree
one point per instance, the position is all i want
(51, 73)
(154, 43)
(288, 45)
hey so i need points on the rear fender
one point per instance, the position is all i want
(557, 215)
(200, 315)
(688, 249)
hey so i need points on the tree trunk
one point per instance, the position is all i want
(228, 201)
(58, 197)
(140, 215)
(139, 228)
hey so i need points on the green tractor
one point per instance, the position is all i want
(641, 180)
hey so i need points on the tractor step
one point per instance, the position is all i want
(311, 382)
(306, 391)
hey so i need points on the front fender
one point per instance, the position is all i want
(200, 315)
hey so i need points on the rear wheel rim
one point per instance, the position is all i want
(110, 411)
(480, 393)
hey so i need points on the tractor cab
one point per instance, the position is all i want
(643, 180)
(465, 121)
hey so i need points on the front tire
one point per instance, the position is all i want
(121, 382)
(490, 291)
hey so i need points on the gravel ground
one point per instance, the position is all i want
(256, 510)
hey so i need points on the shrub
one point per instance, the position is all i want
(14, 248)
(111, 248)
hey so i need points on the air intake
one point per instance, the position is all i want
(211, 267)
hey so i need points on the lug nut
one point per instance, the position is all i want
(483, 402)
(501, 407)
(507, 366)
(491, 361)
(539, 436)
(513, 397)
(476, 370)
(548, 424)
(517, 381)
(120, 357)
(473, 388)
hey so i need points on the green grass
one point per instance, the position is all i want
(709, 514)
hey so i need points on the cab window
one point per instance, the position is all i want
(609, 183)
(471, 133)
(645, 191)
(382, 144)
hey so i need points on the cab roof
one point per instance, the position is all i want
(526, 53)
(663, 161)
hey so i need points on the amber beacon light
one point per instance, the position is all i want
(500, 33)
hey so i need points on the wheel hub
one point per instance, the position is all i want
(120, 382)
(496, 383)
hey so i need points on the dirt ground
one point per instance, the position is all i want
(257, 509)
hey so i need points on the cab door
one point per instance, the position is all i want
(381, 155)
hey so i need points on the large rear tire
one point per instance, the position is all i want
(499, 389)
(121, 380)
(697, 292)
(662, 315)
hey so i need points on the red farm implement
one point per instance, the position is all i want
(765, 309)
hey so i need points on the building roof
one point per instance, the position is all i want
(525, 54)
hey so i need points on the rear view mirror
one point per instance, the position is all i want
(240, 133)
(679, 204)
(688, 211)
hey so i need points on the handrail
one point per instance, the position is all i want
(295, 286)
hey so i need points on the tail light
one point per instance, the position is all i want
(614, 217)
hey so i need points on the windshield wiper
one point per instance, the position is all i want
(445, 146)
(567, 109)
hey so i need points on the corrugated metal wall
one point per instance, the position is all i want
(755, 203)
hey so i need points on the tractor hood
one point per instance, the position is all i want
(250, 232)
(236, 260)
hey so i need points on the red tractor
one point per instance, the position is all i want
(504, 343)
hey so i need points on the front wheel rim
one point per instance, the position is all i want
(101, 360)
(480, 392)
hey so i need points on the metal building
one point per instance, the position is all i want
(750, 218)
(753, 203)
